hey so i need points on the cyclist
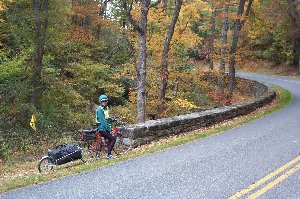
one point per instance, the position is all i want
(102, 118)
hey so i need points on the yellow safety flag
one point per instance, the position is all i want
(32, 122)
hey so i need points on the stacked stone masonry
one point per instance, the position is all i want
(142, 133)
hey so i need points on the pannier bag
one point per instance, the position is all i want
(89, 134)
(65, 153)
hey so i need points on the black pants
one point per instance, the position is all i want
(112, 140)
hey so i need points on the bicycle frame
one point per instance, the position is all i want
(95, 142)
(98, 143)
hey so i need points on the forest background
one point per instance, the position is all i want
(153, 59)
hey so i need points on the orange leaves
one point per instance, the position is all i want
(81, 34)
(84, 17)
(223, 98)
(87, 9)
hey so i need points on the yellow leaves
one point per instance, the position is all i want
(159, 20)
(135, 12)
(184, 103)
(177, 107)
(1, 6)
(256, 26)
(189, 12)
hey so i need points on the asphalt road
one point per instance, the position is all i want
(215, 167)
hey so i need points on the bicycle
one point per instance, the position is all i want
(93, 143)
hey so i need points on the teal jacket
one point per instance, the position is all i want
(100, 118)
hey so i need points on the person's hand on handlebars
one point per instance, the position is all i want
(110, 120)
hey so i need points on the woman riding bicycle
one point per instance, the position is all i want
(102, 118)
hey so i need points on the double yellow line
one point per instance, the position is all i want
(292, 166)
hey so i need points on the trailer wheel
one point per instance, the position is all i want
(45, 165)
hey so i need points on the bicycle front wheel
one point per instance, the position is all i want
(120, 148)
(45, 164)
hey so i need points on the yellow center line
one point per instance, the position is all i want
(274, 183)
(265, 179)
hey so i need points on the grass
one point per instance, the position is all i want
(26, 175)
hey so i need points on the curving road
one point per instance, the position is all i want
(264, 152)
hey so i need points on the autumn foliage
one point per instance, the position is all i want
(88, 53)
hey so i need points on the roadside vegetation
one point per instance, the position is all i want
(26, 174)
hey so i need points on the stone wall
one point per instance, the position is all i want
(142, 133)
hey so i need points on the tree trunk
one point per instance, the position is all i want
(141, 28)
(212, 37)
(103, 8)
(236, 33)
(223, 50)
(299, 62)
(294, 14)
(296, 51)
(141, 68)
(41, 20)
(164, 61)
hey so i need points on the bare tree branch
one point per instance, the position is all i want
(154, 4)
(129, 16)
(247, 12)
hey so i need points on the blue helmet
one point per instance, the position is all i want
(103, 98)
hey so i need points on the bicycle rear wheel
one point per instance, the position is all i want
(45, 165)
